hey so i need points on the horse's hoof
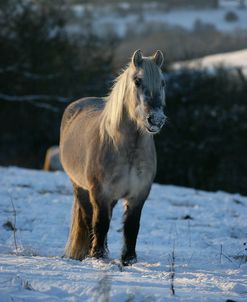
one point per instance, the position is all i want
(98, 254)
(127, 261)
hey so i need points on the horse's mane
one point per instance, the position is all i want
(123, 93)
(113, 111)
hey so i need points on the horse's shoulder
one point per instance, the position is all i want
(74, 108)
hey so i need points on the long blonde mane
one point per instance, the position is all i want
(123, 97)
(113, 111)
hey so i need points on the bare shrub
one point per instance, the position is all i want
(179, 43)
(231, 16)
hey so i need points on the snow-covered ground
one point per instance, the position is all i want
(230, 60)
(108, 18)
(191, 246)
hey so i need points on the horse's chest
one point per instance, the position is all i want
(133, 178)
(138, 178)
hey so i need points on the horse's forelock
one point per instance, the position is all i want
(152, 75)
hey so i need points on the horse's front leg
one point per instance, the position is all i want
(100, 226)
(131, 228)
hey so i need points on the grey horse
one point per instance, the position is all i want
(108, 152)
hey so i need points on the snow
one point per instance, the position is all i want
(232, 3)
(190, 246)
(232, 60)
(188, 18)
(106, 18)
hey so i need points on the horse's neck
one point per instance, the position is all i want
(129, 132)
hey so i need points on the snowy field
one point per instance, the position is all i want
(107, 19)
(230, 60)
(191, 246)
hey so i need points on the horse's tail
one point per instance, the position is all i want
(78, 243)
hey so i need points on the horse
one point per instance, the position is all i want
(108, 152)
(52, 160)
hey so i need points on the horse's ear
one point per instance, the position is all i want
(158, 58)
(137, 58)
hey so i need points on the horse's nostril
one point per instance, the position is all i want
(150, 121)
(156, 120)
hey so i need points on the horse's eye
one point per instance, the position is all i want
(162, 83)
(138, 82)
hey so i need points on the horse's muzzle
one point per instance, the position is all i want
(155, 121)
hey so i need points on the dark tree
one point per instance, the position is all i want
(38, 57)
(42, 68)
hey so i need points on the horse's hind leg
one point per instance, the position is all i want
(101, 222)
(79, 241)
(86, 207)
(106, 243)
(131, 229)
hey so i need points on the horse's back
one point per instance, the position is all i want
(73, 109)
(78, 137)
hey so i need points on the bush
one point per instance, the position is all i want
(38, 57)
(231, 16)
(204, 144)
(41, 70)
(179, 43)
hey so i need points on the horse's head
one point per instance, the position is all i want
(149, 89)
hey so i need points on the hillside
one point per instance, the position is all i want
(120, 19)
(191, 247)
(230, 60)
